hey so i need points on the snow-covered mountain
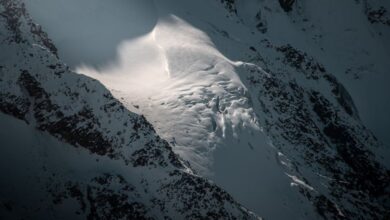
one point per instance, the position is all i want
(195, 109)
(70, 150)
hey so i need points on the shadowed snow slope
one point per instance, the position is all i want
(191, 93)
(70, 150)
(251, 96)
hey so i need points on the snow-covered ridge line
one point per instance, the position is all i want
(310, 102)
(175, 70)
(147, 180)
(268, 100)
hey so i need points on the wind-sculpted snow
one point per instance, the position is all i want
(323, 148)
(311, 117)
(272, 100)
(89, 156)
(175, 70)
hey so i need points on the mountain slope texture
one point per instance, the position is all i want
(211, 109)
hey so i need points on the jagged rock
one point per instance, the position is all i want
(81, 113)
(287, 4)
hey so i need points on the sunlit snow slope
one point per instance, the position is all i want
(178, 79)
(70, 150)
(224, 84)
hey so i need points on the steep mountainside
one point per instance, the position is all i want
(70, 150)
(282, 104)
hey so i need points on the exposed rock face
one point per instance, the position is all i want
(287, 4)
(323, 133)
(12, 12)
(377, 14)
(230, 5)
(128, 172)
(311, 117)
(41, 91)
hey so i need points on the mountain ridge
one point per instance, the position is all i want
(247, 96)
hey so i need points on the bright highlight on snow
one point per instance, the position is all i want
(192, 94)
(139, 68)
(248, 93)
(176, 72)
